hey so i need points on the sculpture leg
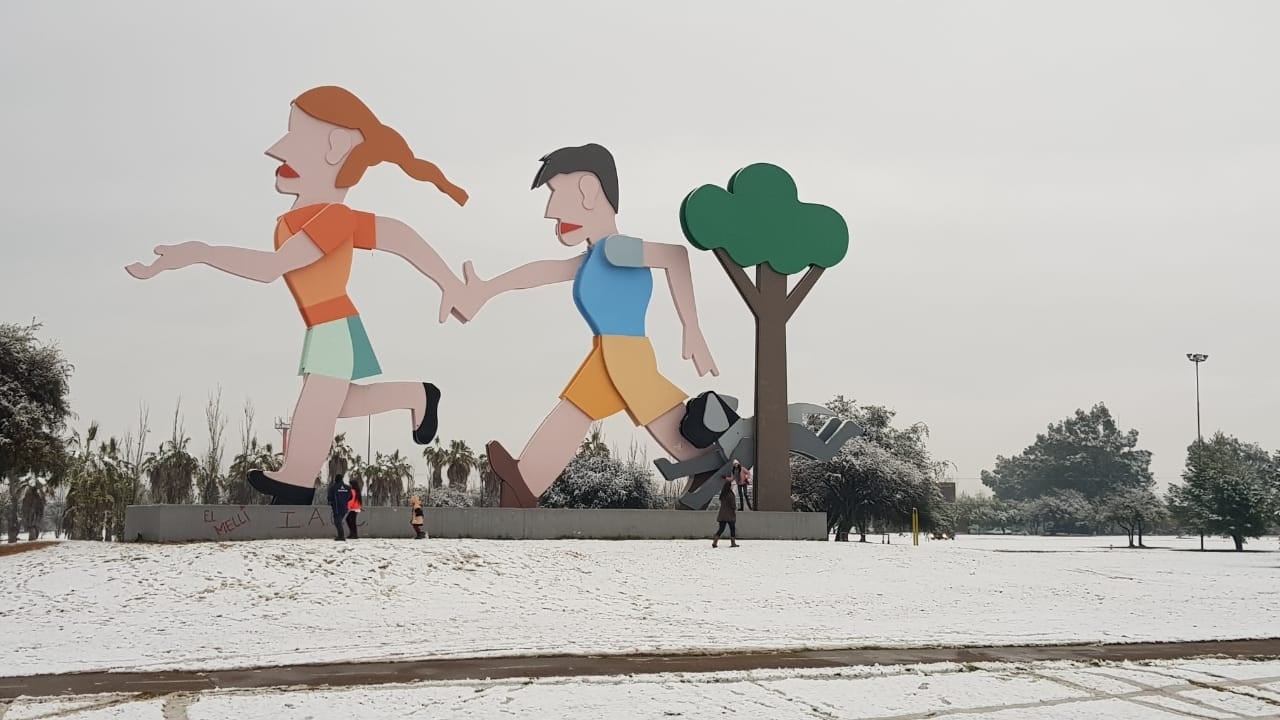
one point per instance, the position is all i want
(311, 435)
(829, 429)
(804, 442)
(377, 398)
(700, 464)
(848, 431)
(696, 482)
(665, 430)
(701, 496)
(552, 446)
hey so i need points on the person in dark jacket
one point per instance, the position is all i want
(340, 501)
(728, 515)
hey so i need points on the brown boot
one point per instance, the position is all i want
(515, 492)
(715, 542)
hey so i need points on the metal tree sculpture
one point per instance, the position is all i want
(758, 220)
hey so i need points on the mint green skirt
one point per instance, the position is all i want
(340, 349)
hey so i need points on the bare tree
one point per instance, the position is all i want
(246, 426)
(210, 480)
(252, 455)
(135, 454)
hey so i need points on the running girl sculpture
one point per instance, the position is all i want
(333, 138)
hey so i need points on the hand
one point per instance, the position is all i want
(172, 257)
(695, 348)
(464, 300)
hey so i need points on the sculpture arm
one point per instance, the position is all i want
(262, 266)
(534, 274)
(397, 238)
(674, 261)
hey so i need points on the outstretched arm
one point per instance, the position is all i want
(259, 265)
(476, 292)
(532, 275)
(397, 238)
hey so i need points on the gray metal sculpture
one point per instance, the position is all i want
(712, 419)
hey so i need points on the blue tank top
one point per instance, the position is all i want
(613, 299)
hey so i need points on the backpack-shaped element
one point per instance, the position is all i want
(706, 418)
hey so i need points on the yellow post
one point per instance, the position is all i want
(915, 527)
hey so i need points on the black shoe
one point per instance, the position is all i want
(426, 431)
(281, 493)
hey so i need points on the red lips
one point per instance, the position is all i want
(566, 228)
(285, 171)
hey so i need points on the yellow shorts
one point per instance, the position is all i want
(621, 373)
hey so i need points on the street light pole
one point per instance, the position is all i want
(1198, 358)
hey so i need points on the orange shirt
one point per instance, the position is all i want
(320, 289)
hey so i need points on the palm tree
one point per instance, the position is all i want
(341, 449)
(101, 484)
(387, 477)
(172, 470)
(343, 460)
(459, 461)
(437, 457)
(491, 485)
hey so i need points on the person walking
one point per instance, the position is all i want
(742, 477)
(353, 509)
(418, 520)
(339, 500)
(728, 515)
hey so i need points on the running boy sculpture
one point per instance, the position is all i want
(612, 285)
(333, 138)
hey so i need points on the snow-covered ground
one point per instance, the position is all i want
(1040, 691)
(94, 606)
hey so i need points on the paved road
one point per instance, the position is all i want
(370, 673)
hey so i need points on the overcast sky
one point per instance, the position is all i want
(1050, 203)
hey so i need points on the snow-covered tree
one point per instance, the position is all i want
(594, 480)
(1087, 453)
(445, 497)
(1135, 510)
(1229, 488)
(875, 480)
(34, 388)
(1060, 511)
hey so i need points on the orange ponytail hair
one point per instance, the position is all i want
(381, 144)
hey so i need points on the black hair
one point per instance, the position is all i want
(591, 158)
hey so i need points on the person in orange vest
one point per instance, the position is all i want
(417, 521)
(354, 507)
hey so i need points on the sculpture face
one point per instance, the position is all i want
(311, 153)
